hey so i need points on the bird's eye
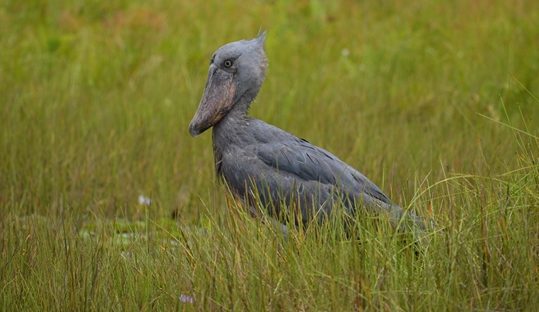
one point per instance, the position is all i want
(227, 63)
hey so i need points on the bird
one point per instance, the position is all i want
(264, 165)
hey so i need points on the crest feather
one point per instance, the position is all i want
(261, 38)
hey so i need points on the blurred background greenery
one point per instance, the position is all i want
(96, 97)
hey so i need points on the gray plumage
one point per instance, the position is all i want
(261, 162)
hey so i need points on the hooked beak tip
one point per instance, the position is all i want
(193, 131)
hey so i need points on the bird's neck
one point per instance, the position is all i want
(230, 132)
(234, 119)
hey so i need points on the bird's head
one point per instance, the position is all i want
(236, 73)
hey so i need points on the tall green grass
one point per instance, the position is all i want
(437, 102)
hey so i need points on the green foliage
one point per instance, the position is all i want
(437, 102)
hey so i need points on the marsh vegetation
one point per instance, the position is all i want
(107, 203)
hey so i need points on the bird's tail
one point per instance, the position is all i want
(405, 219)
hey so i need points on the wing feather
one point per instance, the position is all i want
(311, 163)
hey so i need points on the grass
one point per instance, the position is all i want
(437, 102)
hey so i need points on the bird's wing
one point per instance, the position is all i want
(310, 163)
(295, 170)
(320, 169)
